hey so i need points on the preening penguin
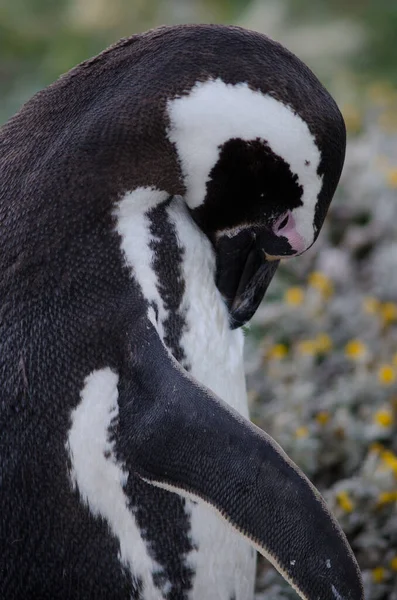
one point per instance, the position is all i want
(145, 201)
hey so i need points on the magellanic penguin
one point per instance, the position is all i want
(146, 199)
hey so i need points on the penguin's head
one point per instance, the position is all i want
(222, 116)
(261, 150)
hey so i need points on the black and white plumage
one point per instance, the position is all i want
(145, 200)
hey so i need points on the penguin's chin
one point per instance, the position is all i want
(243, 274)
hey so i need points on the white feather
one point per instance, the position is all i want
(100, 479)
(133, 227)
(225, 563)
(214, 112)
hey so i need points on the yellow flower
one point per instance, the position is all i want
(278, 352)
(355, 349)
(388, 311)
(319, 345)
(294, 296)
(386, 375)
(345, 501)
(371, 305)
(384, 418)
(323, 342)
(376, 447)
(323, 417)
(389, 461)
(322, 283)
(393, 563)
(307, 347)
(378, 574)
(301, 432)
(353, 118)
(387, 498)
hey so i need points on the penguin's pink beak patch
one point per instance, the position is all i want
(285, 226)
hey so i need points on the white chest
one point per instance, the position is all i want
(213, 351)
(224, 562)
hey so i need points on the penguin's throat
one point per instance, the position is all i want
(174, 264)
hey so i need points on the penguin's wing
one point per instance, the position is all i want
(181, 437)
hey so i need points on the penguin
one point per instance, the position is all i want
(146, 199)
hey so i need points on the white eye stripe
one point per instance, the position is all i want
(214, 112)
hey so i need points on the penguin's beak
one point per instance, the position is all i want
(244, 272)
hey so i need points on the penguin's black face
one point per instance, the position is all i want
(258, 181)
(251, 235)
(259, 191)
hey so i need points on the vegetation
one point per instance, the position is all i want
(325, 383)
(40, 39)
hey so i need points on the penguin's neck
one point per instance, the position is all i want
(173, 262)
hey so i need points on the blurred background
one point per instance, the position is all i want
(322, 351)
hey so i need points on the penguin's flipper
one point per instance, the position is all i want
(180, 436)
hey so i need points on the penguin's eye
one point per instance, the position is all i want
(283, 223)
